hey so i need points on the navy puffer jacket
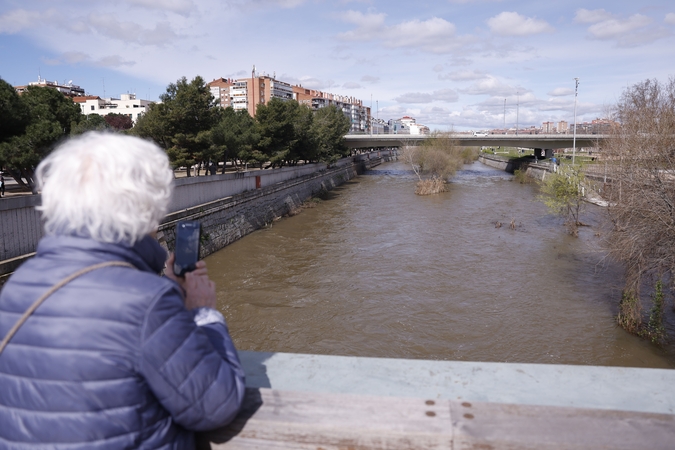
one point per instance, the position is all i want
(112, 360)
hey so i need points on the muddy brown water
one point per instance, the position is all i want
(374, 270)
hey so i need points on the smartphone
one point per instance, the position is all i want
(188, 233)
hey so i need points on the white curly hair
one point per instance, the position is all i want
(109, 187)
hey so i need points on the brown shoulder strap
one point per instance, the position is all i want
(53, 289)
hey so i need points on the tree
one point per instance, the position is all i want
(640, 164)
(563, 193)
(187, 109)
(330, 127)
(119, 121)
(13, 113)
(433, 161)
(50, 117)
(234, 136)
(91, 122)
(277, 129)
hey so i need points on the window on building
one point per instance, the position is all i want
(93, 107)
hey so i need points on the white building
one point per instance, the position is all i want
(127, 104)
(68, 89)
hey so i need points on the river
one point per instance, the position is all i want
(374, 270)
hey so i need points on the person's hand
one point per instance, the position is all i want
(199, 290)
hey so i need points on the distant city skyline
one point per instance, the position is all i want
(462, 64)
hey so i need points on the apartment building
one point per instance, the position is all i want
(68, 89)
(248, 93)
(127, 104)
(548, 128)
(358, 115)
(220, 89)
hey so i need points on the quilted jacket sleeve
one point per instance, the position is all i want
(193, 371)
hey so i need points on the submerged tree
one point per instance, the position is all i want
(641, 163)
(436, 159)
(563, 193)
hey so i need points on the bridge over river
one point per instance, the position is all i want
(535, 141)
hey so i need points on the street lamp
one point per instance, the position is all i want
(574, 139)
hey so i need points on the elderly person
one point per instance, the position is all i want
(119, 357)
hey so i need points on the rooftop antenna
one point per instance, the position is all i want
(103, 87)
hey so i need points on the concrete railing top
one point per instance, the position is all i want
(492, 140)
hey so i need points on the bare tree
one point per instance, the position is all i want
(641, 165)
(433, 161)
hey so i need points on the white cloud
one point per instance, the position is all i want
(490, 85)
(367, 25)
(514, 24)
(560, 92)
(370, 79)
(75, 58)
(415, 97)
(435, 35)
(670, 18)
(125, 31)
(463, 75)
(615, 28)
(443, 95)
(21, 19)
(633, 31)
(592, 16)
(351, 85)
(446, 95)
(183, 7)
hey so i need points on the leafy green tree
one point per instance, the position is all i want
(187, 109)
(92, 122)
(119, 121)
(13, 113)
(330, 127)
(277, 130)
(563, 193)
(50, 117)
(235, 136)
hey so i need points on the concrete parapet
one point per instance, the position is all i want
(319, 401)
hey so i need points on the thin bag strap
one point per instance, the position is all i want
(53, 289)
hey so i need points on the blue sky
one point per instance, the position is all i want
(448, 63)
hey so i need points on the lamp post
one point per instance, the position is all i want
(574, 138)
(504, 116)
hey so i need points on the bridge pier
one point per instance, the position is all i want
(543, 153)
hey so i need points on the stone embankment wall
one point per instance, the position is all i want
(228, 219)
(536, 170)
(229, 205)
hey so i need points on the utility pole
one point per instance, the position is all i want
(574, 139)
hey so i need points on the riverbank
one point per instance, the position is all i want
(229, 205)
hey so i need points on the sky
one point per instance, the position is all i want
(450, 64)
